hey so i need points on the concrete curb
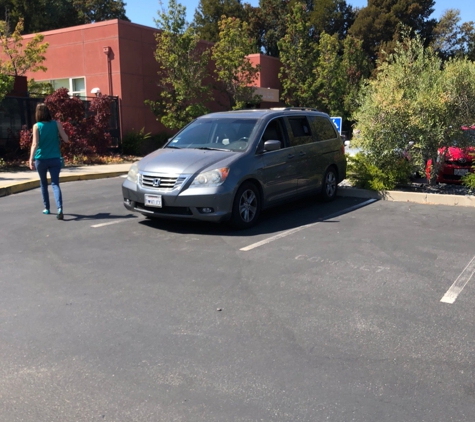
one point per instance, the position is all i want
(413, 197)
(33, 184)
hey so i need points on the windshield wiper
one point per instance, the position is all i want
(214, 149)
(173, 146)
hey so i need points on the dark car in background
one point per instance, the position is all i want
(231, 165)
(455, 162)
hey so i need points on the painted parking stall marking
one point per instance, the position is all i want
(109, 223)
(292, 231)
(459, 284)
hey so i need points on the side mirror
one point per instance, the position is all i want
(272, 145)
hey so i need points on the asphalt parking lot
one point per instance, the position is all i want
(356, 310)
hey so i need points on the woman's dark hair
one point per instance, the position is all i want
(42, 113)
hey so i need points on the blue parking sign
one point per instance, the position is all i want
(337, 122)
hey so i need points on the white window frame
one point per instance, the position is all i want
(70, 89)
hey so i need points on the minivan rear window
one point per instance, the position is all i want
(323, 128)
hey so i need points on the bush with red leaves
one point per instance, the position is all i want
(87, 129)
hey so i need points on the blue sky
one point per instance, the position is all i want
(144, 11)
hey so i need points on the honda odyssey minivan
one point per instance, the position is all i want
(231, 165)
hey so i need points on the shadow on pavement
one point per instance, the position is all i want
(271, 221)
(98, 216)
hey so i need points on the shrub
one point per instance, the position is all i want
(132, 141)
(141, 144)
(378, 173)
(87, 130)
(469, 179)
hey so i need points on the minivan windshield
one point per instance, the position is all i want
(228, 134)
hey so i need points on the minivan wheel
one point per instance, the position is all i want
(246, 206)
(330, 185)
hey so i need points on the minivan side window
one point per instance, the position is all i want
(300, 130)
(324, 128)
(274, 132)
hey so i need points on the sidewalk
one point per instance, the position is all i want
(22, 180)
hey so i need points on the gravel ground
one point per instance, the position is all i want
(420, 185)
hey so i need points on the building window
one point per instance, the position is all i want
(75, 86)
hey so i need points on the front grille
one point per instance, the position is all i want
(164, 210)
(164, 183)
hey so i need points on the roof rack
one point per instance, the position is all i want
(295, 108)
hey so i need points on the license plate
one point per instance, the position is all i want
(460, 172)
(153, 201)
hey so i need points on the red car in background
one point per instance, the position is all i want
(457, 162)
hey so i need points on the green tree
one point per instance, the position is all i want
(100, 10)
(453, 39)
(21, 58)
(233, 68)
(331, 17)
(39, 89)
(329, 77)
(356, 68)
(208, 15)
(6, 85)
(298, 54)
(467, 30)
(378, 24)
(183, 70)
(45, 15)
(414, 99)
(268, 24)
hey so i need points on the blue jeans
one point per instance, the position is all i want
(53, 165)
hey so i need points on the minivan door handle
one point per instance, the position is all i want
(290, 156)
(301, 153)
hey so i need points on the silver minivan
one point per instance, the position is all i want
(231, 165)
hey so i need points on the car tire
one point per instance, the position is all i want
(329, 185)
(246, 206)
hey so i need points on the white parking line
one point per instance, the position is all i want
(460, 283)
(95, 226)
(292, 231)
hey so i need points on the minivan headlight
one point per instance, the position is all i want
(211, 178)
(132, 176)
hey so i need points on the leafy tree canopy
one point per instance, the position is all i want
(233, 68)
(379, 23)
(183, 70)
(298, 54)
(209, 13)
(21, 58)
(331, 17)
(45, 15)
(268, 24)
(414, 98)
(453, 39)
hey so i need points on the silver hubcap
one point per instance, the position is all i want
(248, 205)
(330, 184)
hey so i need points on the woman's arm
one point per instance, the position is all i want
(62, 133)
(34, 146)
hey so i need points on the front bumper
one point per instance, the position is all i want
(448, 174)
(204, 204)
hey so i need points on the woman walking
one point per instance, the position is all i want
(45, 155)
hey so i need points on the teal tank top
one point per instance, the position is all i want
(48, 144)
